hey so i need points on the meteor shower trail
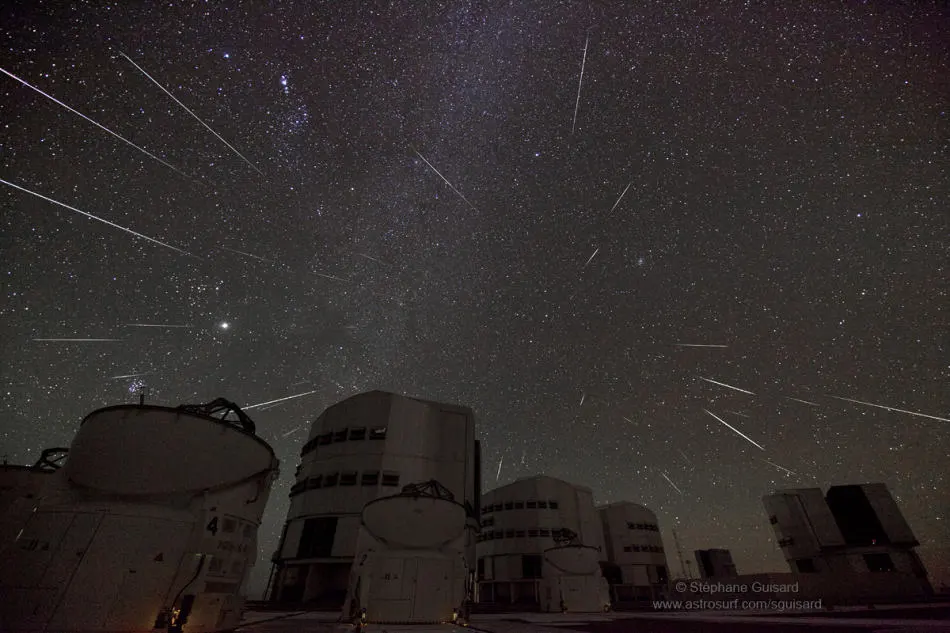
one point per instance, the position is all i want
(620, 198)
(580, 82)
(99, 125)
(722, 384)
(735, 430)
(698, 345)
(231, 147)
(444, 179)
(76, 340)
(264, 404)
(160, 325)
(95, 217)
(669, 481)
(881, 406)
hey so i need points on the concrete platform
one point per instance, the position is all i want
(898, 619)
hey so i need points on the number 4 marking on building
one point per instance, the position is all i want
(213, 526)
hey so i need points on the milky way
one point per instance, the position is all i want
(760, 194)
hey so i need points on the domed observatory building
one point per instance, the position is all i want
(636, 566)
(541, 544)
(151, 524)
(366, 447)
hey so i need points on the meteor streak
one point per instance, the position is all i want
(580, 82)
(378, 261)
(619, 199)
(141, 70)
(698, 345)
(787, 471)
(262, 404)
(330, 277)
(592, 256)
(234, 250)
(583, 397)
(671, 483)
(162, 325)
(814, 404)
(735, 430)
(500, 462)
(145, 373)
(95, 217)
(99, 125)
(722, 384)
(881, 406)
(452, 187)
(76, 340)
(291, 431)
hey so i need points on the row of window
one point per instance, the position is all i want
(649, 527)
(538, 533)
(785, 542)
(520, 505)
(343, 435)
(347, 478)
(655, 549)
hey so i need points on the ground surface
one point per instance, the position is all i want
(912, 619)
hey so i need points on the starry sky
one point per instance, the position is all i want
(528, 208)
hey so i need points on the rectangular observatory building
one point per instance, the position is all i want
(366, 447)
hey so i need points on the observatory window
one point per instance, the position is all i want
(544, 532)
(509, 505)
(349, 478)
(358, 434)
(627, 548)
(532, 505)
(230, 525)
(543, 505)
(532, 534)
(496, 507)
(377, 433)
(519, 533)
(370, 478)
(531, 566)
(330, 480)
(481, 569)
(237, 566)
(215, 564)
(773, 519)
(488, 521)
(519, 505)
(785, 542)
(509, 533)
(248, 530)
(552, 504)
(391, 479)
(316, 540)
(498, 534)
(324, 439)
(315, 482)
(340, 436)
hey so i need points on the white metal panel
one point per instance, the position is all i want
(96, 583)
(146, 451)
(152, 563)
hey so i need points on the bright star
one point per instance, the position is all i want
(225, 325)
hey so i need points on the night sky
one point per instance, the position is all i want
(524, 207)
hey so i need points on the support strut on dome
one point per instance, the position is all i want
(51, 458)
(431, 488)
(219, 405)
